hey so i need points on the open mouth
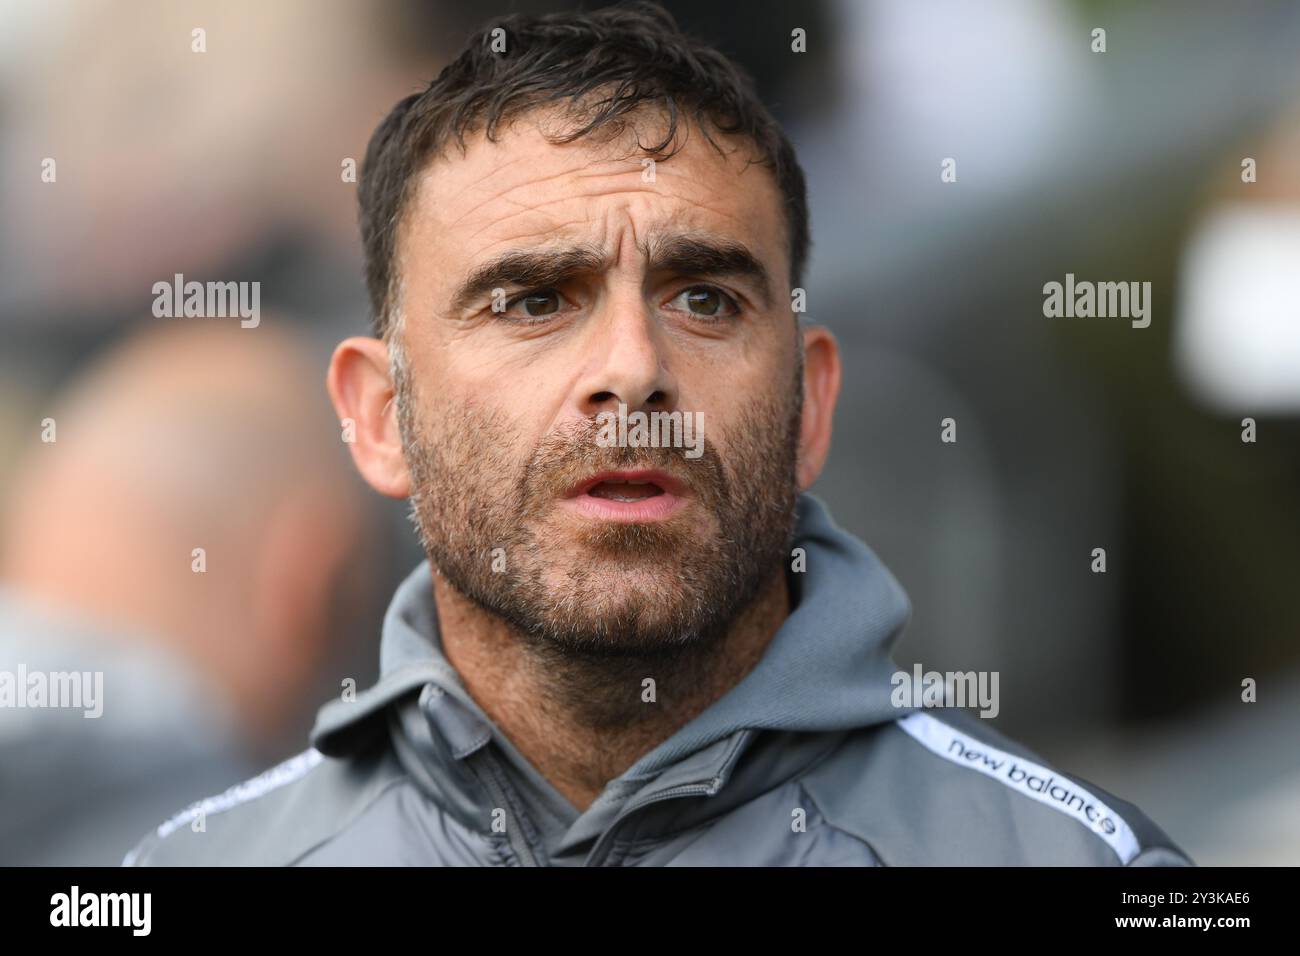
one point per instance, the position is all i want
(625, 490)
(636, 496)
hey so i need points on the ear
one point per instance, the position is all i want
(363, 395)
(821, 390)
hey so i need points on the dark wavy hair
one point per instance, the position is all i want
(604, 64)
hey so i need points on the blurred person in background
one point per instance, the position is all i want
(186, 437)
(227, 164)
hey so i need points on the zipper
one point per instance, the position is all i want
(601, 850)
(739, 740)
(515, 834)
(491, 776)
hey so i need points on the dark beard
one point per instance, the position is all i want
(644, 599)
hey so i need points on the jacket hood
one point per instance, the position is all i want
(828, 667)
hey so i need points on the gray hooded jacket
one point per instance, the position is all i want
(806, 761)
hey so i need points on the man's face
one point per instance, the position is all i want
(543, 285)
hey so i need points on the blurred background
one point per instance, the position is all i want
(1072, 433)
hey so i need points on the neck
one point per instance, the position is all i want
(581, 721)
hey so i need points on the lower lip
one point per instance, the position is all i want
(661, 507)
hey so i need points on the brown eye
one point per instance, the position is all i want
(534, 305)
(540, 303)
(706, 302)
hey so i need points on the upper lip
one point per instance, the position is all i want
(665, 481)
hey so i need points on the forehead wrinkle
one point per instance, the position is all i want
(659, 229)
(541, 205)
(581, 170)
(685, 217)
(503, 194)
(530, 130)
(634, 185)
(492, 223)
(549, 231)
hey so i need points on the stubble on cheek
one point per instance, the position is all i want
(490, 521)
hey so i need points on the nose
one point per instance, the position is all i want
(626, 364)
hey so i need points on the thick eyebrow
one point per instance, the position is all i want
(705, 255)
(535, 269)
(684, 253)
